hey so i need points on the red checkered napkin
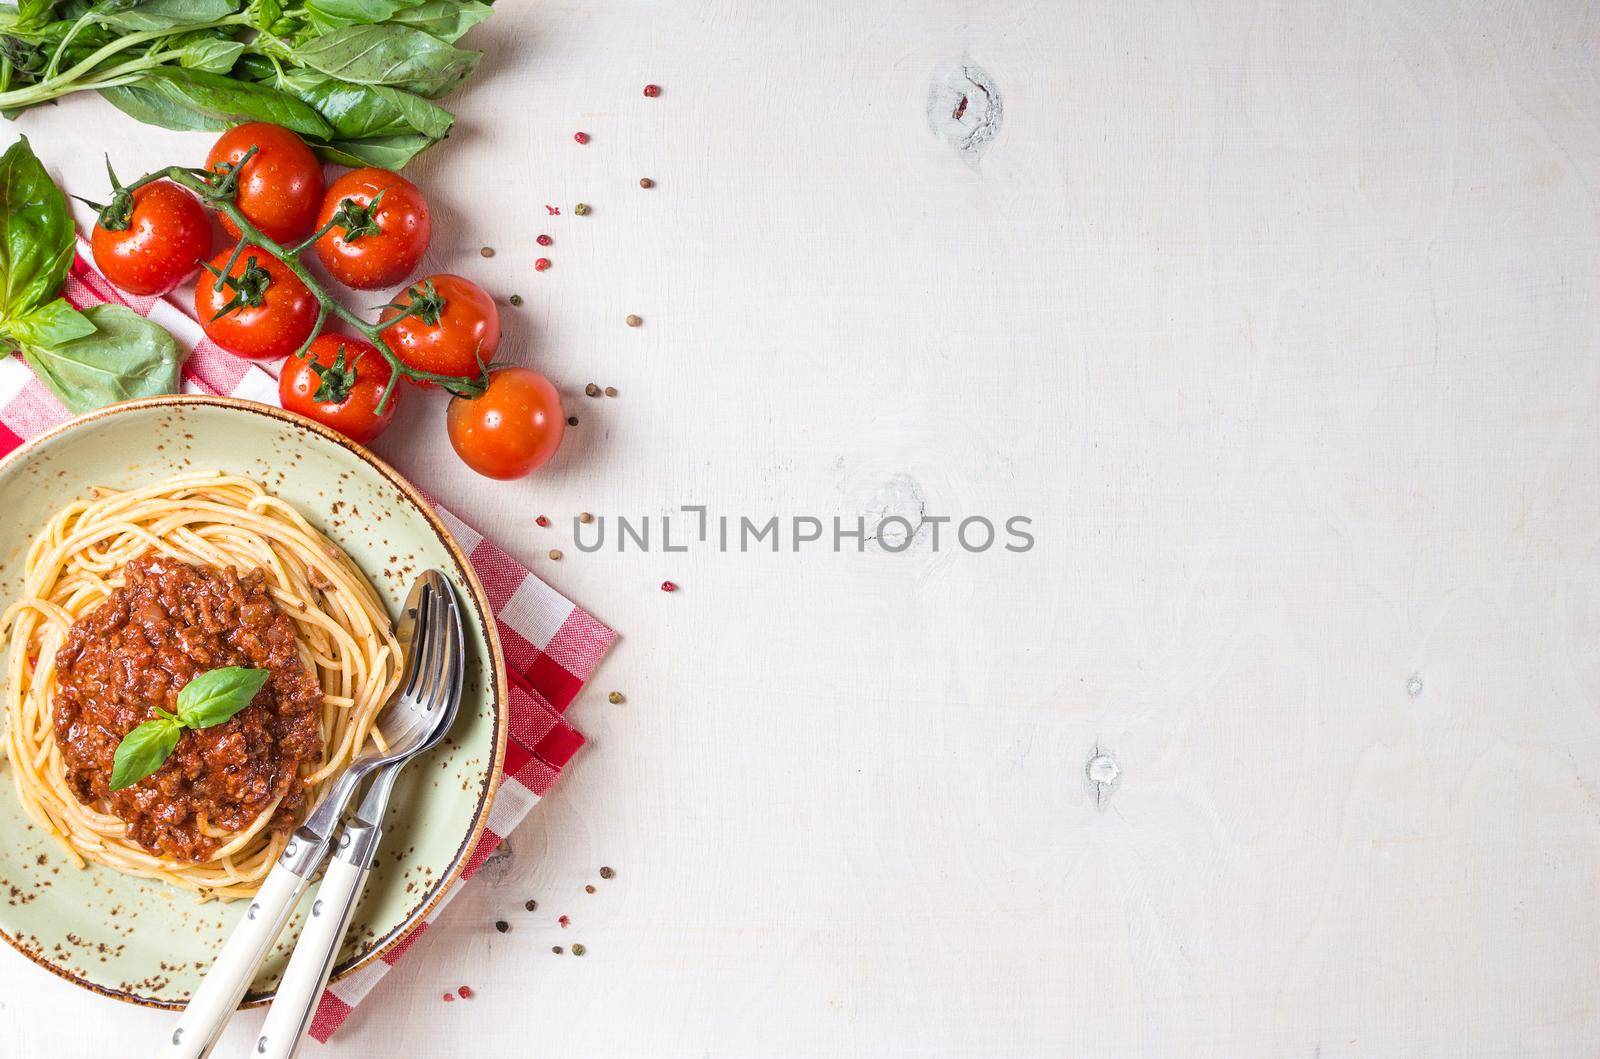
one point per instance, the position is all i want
(551, 645)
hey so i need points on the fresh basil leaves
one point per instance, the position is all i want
(214, 696)
(122, 357)
(177, 98)
(354, 77)
(387, 54)
(86, 359)
(36, 234)
(144, 750)
(206, 701)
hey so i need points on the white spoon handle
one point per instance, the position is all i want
(225, 984)
(314, 954)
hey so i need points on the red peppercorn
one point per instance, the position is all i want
(541, 521)
(652, 91)
(449, 997)
(543, 240)
(541, 264)
(466, 992)
(581, 137)
(563, 921)
(668, 586)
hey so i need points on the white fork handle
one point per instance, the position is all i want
(225, 984)
(314, 954)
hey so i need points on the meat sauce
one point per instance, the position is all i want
(170, 622)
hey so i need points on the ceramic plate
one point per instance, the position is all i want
(139, 940)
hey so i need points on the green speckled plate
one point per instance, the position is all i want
(139, 940)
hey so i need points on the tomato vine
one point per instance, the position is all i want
(217, 190)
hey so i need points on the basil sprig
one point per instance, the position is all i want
(206, 701)
(356, 78)
(107, 353)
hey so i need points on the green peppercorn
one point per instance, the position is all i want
(581, 209)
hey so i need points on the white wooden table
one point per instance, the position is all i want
(1280, 322)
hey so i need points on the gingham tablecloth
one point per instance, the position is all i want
(551, 645)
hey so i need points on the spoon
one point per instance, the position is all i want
(309, 967)
(408, 721)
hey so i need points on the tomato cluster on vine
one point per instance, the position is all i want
(370, 229)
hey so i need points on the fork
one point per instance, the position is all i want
(409, 718)
(301, 988)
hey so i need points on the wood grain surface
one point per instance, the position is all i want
(1279, 322)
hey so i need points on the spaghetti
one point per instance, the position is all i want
(223, 527)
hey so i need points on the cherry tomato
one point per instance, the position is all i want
(339, 382)
(373, 246)
(270, 313)
(280, 188)
(455, 330)
(512, 429)
(160, 238)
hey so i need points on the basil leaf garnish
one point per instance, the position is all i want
(143, 750)
(206, 701)
(211, 698)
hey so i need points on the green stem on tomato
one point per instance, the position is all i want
(250, 235)
(309, 241)
(233, 258)
(316, 329)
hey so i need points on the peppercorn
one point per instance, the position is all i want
(585, 518)
(501, 925)
(614, 698)
(634, 321)
(541, 521)
(449, 997)
(646, 183)
(487, 251)
(652, 91)
(563, 920)
(555, 553)
(466, 992)
(530, 904)
(668, 586)
(572, 421)
(516, 299)
(581, 209)
(581, 137)
(611, 391)
(589, 889)
(541, 264)
(578, 950)
(606, 873)
(543, 240)
(592, 390)
(556, 949)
